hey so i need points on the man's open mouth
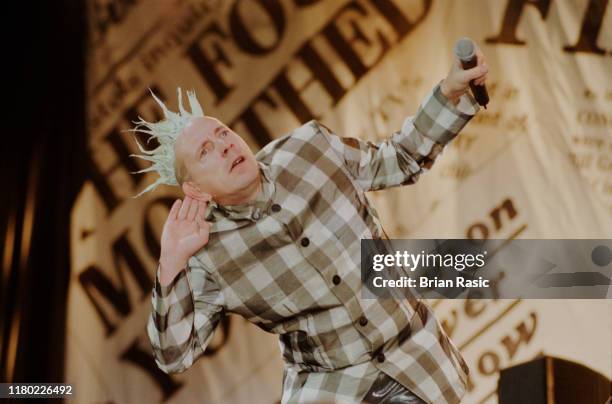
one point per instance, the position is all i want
(238, 160)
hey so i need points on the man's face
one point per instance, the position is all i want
(218, 161)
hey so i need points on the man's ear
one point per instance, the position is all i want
(193, 191)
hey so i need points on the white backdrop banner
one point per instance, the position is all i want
(536, 164)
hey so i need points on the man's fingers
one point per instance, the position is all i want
(475, 73)
(193, 209)
(203, 226)
(202, 209)
(174, 210)
(480, 81)
(184, 209)
(479, 57)
(470, 74)
(201, 222)
(482, 63)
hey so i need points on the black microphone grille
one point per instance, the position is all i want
(465, 49)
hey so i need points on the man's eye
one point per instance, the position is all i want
(224, 133)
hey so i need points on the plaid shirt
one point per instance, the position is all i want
(290, 263)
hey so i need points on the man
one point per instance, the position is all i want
(275, 237)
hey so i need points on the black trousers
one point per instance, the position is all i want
(385, 390)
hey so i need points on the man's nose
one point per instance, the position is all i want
(224, 146)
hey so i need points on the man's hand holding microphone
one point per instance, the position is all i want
(469, 70)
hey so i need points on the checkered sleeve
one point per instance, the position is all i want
(184, 315)
(400, 159)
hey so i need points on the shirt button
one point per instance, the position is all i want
(256, 215)
(336, 279)
(305, 242)
(363, 321)
(380, 357)
(276, 207)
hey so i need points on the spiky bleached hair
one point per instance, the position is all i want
(166, 132)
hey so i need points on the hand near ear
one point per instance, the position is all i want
(191, 190)
(185, 232)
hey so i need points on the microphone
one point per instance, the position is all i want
(465, 50)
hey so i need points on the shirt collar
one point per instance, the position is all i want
(227, 217)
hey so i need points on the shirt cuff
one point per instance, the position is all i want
(440, 120)
(467, 104)
(164, 291)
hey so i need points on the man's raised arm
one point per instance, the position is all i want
(186, 302)
(400, 159)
